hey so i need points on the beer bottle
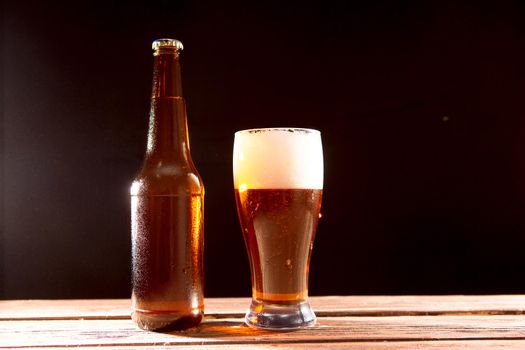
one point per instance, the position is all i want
(167, 207)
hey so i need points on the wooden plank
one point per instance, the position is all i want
(232, 331)
(366, 345)
(236, 307)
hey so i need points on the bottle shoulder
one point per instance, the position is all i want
(167, 179)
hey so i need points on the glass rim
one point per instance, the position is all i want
(289, 129)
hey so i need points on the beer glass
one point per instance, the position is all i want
(278, 180)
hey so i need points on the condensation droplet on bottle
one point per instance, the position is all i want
(289, 264)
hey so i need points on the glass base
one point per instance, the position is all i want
(280, 316)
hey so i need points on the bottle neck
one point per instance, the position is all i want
(166, 73)
(168, 131)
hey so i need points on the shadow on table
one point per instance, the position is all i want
(221, 328)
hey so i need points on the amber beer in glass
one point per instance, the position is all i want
(167, 206)
(278, 180)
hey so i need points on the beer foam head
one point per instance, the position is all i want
(278, 158)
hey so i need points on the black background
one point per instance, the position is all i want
(420, 105)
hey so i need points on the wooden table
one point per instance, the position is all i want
(350, 322)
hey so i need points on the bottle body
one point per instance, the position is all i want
(167, 215)
(167, 247)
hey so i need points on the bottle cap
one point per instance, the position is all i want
(157, 44)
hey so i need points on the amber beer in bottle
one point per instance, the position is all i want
(167, 206)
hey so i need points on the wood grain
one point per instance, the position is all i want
(404, 345)
(233, 331)
(349, 322)
(236, 307)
